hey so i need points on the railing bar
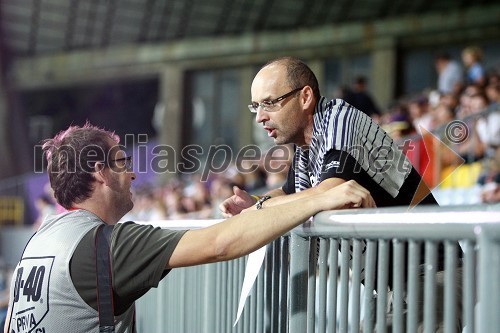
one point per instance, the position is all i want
(285, 271)
(450, 288)
(246, 310)
(219, 291)
(233, 296)
(260, 309)
(398, 285)
(251, 322)
(489, 271)
(356, 284)
(344, 286)
(413, 319)
(430, 286)
(469, 286)
(382, 279)
(191, 297)
(322, 281)
(268, 298)
(311, 285)
(332, 285)
(369, 299)
(275, 286)
(299, 257)
(229, 305)
(206, 296)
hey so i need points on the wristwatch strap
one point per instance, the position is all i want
(259, 203)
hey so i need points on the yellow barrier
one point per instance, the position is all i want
(11, 210)
(465, 175)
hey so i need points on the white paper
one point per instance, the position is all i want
(254, 263)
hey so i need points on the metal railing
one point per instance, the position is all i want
(395, 268)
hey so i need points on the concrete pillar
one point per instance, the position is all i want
(5, 163)
(171, 107)
(247, 119)
(384, 64)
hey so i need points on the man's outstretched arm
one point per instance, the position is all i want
(244, 233)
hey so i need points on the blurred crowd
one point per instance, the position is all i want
(194, 196)
(466, 96)
(463, 114)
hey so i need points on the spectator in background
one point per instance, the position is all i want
(490, 179)
(450, 101)
(472, 57)
(474, 147)
(277, 166)
(397, 123)
(45, 207)
(418, 109)
(220, 189)
(464, 108)
(493, 89)
(450, 75)
(361, 99)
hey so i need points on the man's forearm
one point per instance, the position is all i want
(278, 196)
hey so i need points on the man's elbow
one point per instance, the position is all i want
(221, 249)
(226, 248)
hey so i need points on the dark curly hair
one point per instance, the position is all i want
(71, 157)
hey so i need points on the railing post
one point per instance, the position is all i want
(489, 275)
(209, 311)
(299, 263)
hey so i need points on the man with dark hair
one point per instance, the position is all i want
(450, 74)
(360, 98)
(54, 286)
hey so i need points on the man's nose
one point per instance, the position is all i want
(261, 115)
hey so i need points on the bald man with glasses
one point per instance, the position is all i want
(334, 143)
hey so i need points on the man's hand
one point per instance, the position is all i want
(347, 195)
(238, 202)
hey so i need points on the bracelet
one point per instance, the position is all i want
(259, 203)
(256, 197)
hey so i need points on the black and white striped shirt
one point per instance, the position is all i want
(340, 126)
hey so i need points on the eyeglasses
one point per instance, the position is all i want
(268, 105)
(124, 163)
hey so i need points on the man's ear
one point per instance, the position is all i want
(99, 172)
(307, 97)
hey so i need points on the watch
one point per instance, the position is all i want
(259, 203)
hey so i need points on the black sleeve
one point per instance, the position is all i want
(336, 164)
(339, 164)
(289, 186)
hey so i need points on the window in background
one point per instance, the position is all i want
(212, 110)
(124, 107)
